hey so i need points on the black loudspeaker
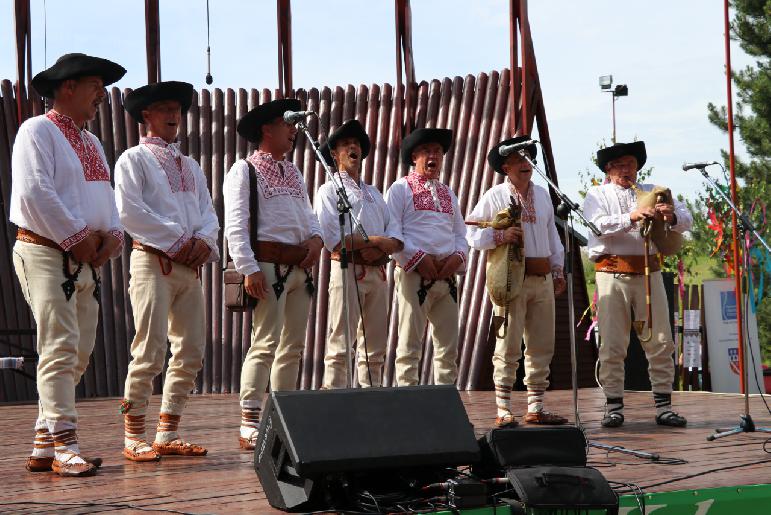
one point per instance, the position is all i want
(307, 436)
(523, 446)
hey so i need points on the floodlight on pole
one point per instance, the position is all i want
(621, 90)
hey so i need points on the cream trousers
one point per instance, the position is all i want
(618, 296)
(66, 329)
(168, 304)
(442, 311)
(373, 295)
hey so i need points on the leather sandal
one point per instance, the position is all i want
(507, 420)
(66, 469)
(671, 419)
(42, 464)
(141, 452)
(544, 418)
(179, 447)
(248, 444)
(612, 419)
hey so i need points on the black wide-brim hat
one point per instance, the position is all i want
(608, 154)
(74, 66)
(349, 129)
(142, 97)
(249, 125)
(496, 160)
(421, 137)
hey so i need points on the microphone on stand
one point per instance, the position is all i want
(297, 116)
(506, 150)
(702, 165)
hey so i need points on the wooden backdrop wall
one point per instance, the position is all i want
(475, 108)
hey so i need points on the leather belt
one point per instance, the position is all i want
(537, 266)
(279, 253)
(618, 264)
(358, 259)
(28, 236)
(147, 248)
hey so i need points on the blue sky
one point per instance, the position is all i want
(669, 53)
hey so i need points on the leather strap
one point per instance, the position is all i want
(146, 248)
(28, 236)
(537, 266)
(279, 253)
(358, 259)
(621, 264)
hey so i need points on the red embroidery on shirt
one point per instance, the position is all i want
(76, 238)
(414, 260)
(177, 169)
(119, 236)
(527, 203)
(271, 179)
(422, 198)
(94, 168)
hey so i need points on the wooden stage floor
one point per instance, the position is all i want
(224, 481)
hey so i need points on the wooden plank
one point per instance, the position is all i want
(224, 481)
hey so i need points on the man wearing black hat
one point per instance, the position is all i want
(68, 227)
(435, 249)
(345, 150)
(277, 267)
(165, 206)
(532, 310)
(618, 256)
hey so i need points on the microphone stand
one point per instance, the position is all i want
(565, 210)
(343, 208)
(746, 424)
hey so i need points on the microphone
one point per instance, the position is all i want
(704, 164)
(506, 150)
(297, 116)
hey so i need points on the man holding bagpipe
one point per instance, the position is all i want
(637, 221)
(514, 221)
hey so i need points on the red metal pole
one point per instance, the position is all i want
(734, 199)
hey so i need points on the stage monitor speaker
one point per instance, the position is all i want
(307, 435)
(522, 446)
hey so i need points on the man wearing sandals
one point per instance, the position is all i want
(277, 268)
(345, 150)
(434, 234)
(68, 227)
(531, 313)
(618, 255)
(166, 208)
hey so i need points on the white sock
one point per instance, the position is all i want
(250, 422)
(534, 400)
(43, 445)
(503, 400)
(167, 428)
(133, 430)
(65, 437)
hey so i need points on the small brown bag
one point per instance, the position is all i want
(234, 291)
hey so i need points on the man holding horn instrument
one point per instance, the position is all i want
(514, 221)
(637, 221)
